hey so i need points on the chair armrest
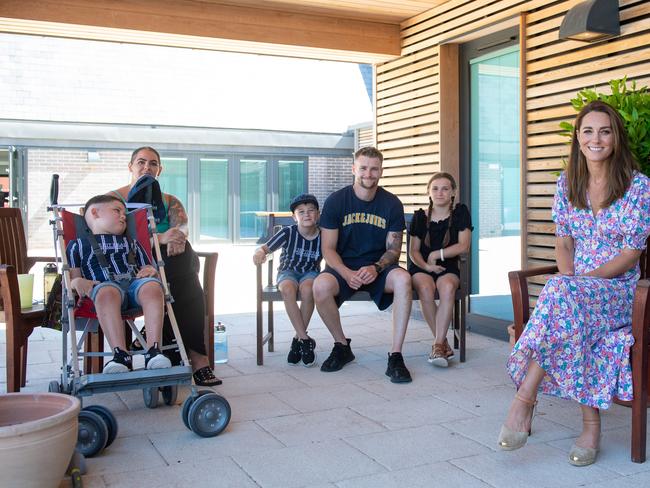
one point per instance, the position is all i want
(639, 356)
(519, 291)
(209, 270)
(9, 291)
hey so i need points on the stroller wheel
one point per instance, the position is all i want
(150, 397)
(185, 410)
(170, 394)
(209, 415)
(54, 387)
(108, 418)
(92, 434)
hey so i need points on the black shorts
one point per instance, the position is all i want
(376, 288)
(449, 270)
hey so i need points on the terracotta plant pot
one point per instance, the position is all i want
(38, 433)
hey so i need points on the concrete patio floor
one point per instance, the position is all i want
(293, 426)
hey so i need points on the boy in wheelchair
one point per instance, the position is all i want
(112, 270)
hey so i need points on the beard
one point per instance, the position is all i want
(367, 183)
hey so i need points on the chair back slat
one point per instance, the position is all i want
(644, 262)
(13, 245)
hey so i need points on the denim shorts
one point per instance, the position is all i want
(296, 276)
(130, 295)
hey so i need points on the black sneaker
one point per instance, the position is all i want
(307, 347)
(121, 362)
(396, 369)
(154, 359)
(294, 355)
(340, 356)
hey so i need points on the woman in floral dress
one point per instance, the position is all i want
(577, 342)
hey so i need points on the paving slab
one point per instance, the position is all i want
(399, 449)
(410, 412)
(534, 466)
(436, 474)
(222, 472)
(183, 446)
(307, 465)
(318, 426)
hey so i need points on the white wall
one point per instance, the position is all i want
(90, 81)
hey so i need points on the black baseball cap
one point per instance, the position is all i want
(303, 198)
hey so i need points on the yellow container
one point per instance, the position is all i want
(26, 287)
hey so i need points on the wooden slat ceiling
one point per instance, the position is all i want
(343, 30)
(387, 11)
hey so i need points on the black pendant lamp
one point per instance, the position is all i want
(591, 20)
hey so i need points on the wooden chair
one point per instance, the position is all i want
(640, 351)
(268, 292)
(20, 323)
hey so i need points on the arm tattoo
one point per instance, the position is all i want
(176, 212)
(393, 250)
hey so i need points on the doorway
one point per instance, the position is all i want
(492, 161)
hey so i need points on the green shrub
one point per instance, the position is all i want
(634, 106)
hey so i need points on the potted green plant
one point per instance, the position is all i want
(634, 106)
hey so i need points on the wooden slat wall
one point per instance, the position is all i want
(408, 95)
(365, 137)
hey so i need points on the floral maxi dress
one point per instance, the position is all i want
(580, 330)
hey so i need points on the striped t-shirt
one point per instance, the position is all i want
(298, 254)
(115, 248)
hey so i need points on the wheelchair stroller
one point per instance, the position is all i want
(204, 412)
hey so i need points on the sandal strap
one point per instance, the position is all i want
(527, 401)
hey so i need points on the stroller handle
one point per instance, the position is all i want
(54, 190)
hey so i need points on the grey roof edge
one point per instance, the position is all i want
(25, 131)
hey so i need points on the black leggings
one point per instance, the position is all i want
(189, 304)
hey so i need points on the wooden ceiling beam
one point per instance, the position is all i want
(190, 23)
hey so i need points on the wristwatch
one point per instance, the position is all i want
(377, 267)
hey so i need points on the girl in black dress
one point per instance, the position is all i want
(438, 236)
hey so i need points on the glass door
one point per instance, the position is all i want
(252, 197)
(213, 199)
(495, 179)
(291, 181)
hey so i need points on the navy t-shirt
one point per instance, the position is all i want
(363, 226)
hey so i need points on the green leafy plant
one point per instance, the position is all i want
(634, 106)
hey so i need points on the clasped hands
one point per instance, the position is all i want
(362, 276)
(431, 265)
(175, 239)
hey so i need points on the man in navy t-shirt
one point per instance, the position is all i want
(361, 241)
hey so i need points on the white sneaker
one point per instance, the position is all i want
(154, 359)
(113, 367)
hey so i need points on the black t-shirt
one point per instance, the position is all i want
(460, 220)
(363, 226)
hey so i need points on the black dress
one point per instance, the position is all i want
(460, 220)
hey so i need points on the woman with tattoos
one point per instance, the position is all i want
(438, 237)
(181, 262)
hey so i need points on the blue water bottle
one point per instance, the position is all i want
(220, 343)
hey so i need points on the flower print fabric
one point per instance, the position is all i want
(580, 330)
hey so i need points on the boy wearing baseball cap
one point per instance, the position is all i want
(299, 265)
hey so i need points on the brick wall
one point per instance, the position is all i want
(327, 174)
(78, 181)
